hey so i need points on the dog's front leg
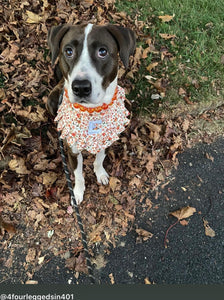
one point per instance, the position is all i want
(101, 174)
(79, 187)
(76, 161)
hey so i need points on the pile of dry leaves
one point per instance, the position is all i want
(35, 212)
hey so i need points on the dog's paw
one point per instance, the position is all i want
(79, 190)
(102, 176)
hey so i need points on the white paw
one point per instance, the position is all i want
(79, 190)
(102, 176)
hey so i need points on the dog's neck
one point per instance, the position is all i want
(103, 107)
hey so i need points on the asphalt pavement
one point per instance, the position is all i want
(191, 256)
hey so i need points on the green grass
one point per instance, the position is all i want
(197, 48)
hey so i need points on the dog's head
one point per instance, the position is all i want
(88, 59)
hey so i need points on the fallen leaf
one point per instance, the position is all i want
(18, 165)
(99, 261)
(222, 60)
(47, 178)
(31, 255)
(152, 66)
(32, 18)
(182, 92)
(184, 222)
(10, 228)
(208, 230)
(114, 183)
(166, 18)
(183, 213)
(31, 282)
(41, 260)
(154, 131)
(185, 125)
(87, 3)
(147, 281)
(167, 36)
(144, 234)
(111, 276)
(208, 156)
(135, 181)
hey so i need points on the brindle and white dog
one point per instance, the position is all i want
(87, 70)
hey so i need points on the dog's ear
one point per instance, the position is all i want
(55, 36)
(126, 41)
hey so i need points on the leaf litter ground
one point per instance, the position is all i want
(36, 218)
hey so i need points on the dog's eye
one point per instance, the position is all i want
(102, 52)
(69, 52)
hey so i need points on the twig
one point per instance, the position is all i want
(171, 226)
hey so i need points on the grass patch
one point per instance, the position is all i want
(198, 49)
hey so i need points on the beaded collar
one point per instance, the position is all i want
(92, 129)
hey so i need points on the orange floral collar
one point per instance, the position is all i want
(92, 129)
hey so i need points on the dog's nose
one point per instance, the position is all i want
(82, 88)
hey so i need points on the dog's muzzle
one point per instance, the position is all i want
(82, 88)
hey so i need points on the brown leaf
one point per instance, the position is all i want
(47, 178)
(152, 66)
(222, 60)
(87, 3)
(182, 92)
(150, 164)
(114, 183)
(37, 116)
(135, 181)
(99, 261)
(184, 222)
(12, 198)
(144, 234)
(31, 255)
(18, 165)
(183, 213)
(185, 125)
(167, 36)
(154, 131)
(208, 156)
(10, 228)
(208, 230)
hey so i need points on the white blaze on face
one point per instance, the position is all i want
(85, 70)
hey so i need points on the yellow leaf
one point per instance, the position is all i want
(166, 18)
(112, 278)
(183, 213)
(32, 18)
(147, 281)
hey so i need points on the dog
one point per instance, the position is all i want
(92, 112)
